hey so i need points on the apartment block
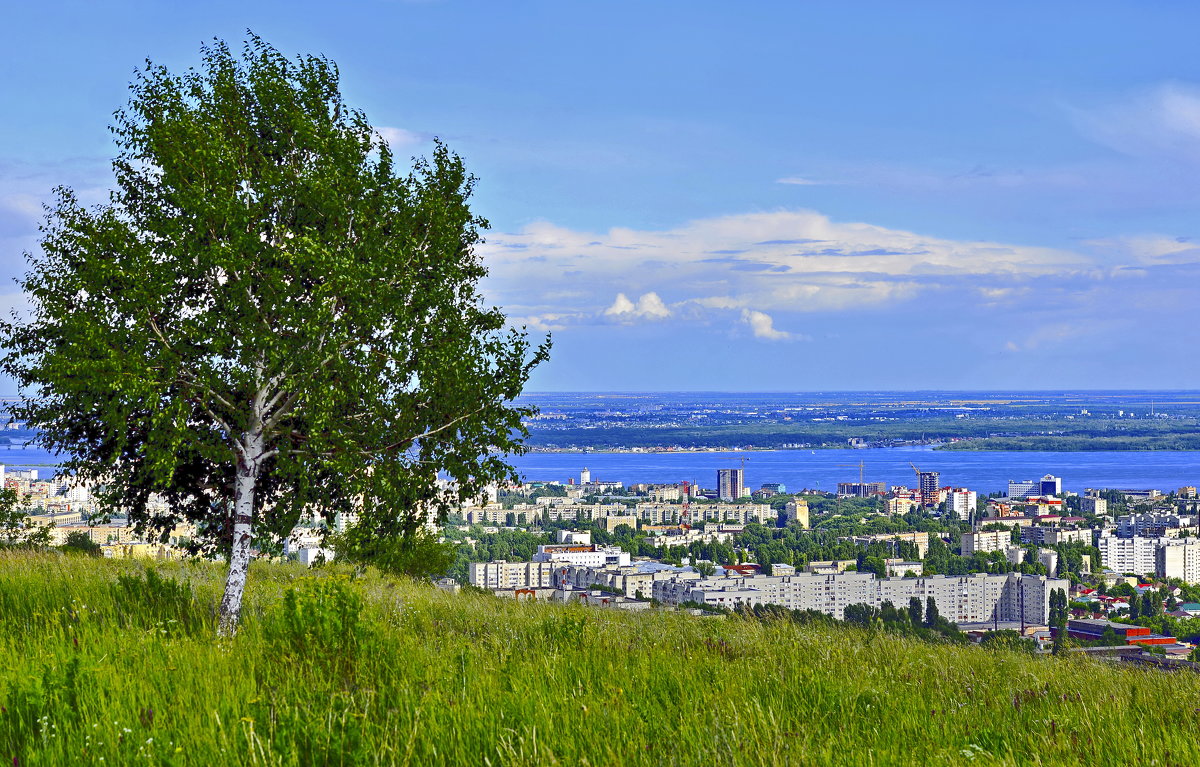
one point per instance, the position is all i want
(1128, 555)
(985, 540)
(975, 598)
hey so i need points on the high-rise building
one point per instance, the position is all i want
(585, 476)
(1050, 485)
(929, 481)
(730, 484)
(961, 502)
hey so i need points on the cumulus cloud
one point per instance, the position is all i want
(762, 326)
(785, 261)
(650, 306)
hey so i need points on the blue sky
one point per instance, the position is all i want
(739, 196)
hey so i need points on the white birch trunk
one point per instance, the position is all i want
(248, 466)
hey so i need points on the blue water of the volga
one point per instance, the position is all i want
(984, 472)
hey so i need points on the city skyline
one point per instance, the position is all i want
(772, 198)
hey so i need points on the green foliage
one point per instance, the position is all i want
(471, 679)
(891, 620)
(318, 619)
(266, 297)
(1058, 620)
(1122, 589)
(34, 706)
(1034, 429)
(418, 555)
(932, 617)
(15, 529)
(81, 543)
(1007, 639)
(150, 600)
(915, 613)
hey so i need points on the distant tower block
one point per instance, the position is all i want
(731, 484)
(930, 484)
(585, 476)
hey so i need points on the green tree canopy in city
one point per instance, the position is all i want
(268, 319)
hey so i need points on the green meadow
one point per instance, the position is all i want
(116, 662)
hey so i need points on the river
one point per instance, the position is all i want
(982, 471)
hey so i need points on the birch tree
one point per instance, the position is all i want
(267, 318)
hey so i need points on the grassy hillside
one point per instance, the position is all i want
(106, 667)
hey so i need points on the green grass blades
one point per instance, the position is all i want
(116, 662)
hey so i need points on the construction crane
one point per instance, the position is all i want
(862, 491)
(917, 471)
(741, 458)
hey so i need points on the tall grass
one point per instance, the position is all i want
(106, 664)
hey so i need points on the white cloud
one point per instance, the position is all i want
(785, 261)
(1148, 250)
(798, 181)
(621, 305)
(649, 306)
(763, 326)
(1163, 121)
(399, 138)
(542, 322)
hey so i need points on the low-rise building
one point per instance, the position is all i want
(1093, 629)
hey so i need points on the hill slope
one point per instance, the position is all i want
(110, 666)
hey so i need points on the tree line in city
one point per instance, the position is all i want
(1023, 433)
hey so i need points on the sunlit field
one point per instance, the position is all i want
(110, 662)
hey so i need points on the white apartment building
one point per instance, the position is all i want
(1179, 558)
(1152, 524)
(1128, 555)
(1024, 489)
(1052, 535)
(575, 548)
(974, 598)
(986, 540)
(961, 502)
(515, 575)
